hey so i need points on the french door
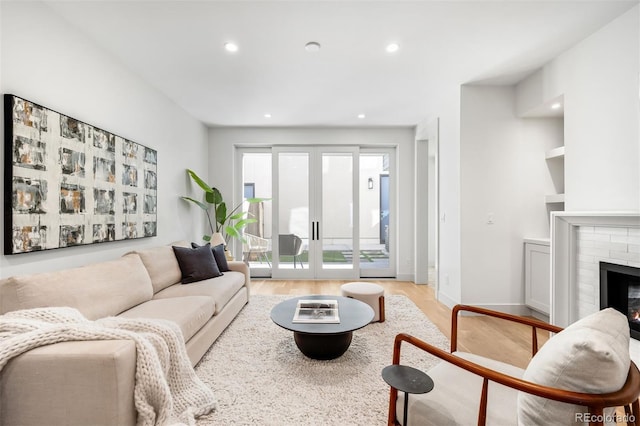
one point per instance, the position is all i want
(330, 214)
(317, 218)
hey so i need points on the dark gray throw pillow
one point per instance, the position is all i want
(196, 264)
(218, 255)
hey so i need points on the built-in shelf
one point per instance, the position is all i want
(554, 198)
(555, 163)
(555, 153)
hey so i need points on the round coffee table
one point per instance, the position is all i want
(323, 341)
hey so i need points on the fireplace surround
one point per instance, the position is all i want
(574, 286)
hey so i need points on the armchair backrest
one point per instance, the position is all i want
(590, 356)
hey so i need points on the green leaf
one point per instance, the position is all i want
(202, 205)
(231, 231)
(217, 196)
(206, 237)
(221, 213)
(256, 200)
(202, 184)
(244, 222)
(238, 215)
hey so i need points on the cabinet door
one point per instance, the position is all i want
(537, 277)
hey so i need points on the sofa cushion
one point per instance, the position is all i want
(455, 398)
(97, 290)
(219, 255)
(162, 265)
(590, 356)
(221, 289)
(190, 313)
(196, 264)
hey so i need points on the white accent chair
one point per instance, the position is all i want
(575, 378)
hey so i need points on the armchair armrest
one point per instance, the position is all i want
(532, 322)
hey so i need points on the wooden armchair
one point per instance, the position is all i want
(496, 393)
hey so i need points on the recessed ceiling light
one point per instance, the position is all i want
(312, 46)
(392, 47)
(556, 105)
(361, 116)
(230, 46)
(267, 115)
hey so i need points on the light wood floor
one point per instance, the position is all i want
(497, 339)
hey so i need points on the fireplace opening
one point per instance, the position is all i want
(620, 289)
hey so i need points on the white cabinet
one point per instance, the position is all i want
(537, 277)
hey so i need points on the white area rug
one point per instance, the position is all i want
(260, 377)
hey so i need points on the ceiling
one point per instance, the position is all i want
(177, 47)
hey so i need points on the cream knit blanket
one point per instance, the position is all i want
(167, 390)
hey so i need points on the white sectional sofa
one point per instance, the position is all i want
(92, 382)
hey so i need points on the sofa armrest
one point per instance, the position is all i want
(88, 382)
(239, 266)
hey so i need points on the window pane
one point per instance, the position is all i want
(374, 211)
(337, 211)
(256, 176)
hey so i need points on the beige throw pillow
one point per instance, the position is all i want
(591, 356)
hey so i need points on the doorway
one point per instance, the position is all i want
(330, 214)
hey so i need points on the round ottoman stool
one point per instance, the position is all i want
(369, 293)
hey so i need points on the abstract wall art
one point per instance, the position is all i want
(68, 183)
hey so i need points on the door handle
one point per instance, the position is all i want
(315, 231)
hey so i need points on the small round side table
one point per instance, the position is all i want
(408, 380)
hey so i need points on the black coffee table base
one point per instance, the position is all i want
(323, 346)
(318, 340)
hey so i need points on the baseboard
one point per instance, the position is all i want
(539, 315)
(446, 300)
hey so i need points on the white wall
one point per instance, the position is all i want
(449, 287)
(503, 179)
(221, 174)
(43, 59)
(599, 80)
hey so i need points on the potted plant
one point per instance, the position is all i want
(228, 223)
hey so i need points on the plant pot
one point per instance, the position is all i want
(228, 254)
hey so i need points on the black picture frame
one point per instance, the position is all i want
(68, 183)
